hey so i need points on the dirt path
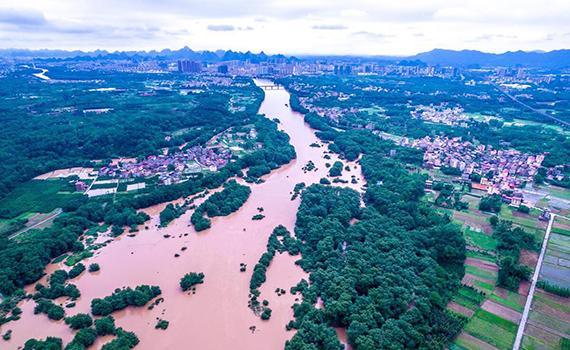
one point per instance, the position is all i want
(478, 343)
(51, 217)
(460, 309)
(487, 265)
(502, 311)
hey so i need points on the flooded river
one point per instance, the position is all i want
(42, 75)
(217, 316)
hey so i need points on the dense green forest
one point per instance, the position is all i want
(386, 278)
(511, 240)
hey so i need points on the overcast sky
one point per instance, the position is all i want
(375, 27)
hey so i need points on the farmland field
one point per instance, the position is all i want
(37, 196)
(549, 322)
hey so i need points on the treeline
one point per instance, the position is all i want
(554, 289)
(86, 335)
(223, 203)
(22, 261)
(280, 241)
(510, 243)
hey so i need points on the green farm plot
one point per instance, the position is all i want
(527, 222)
(558, 192)
(556, 267)
(10, 226)
(549, 300)
(534, 343)
(97, 185)
(473, 218)
(523, 122)
(482, 273)
(39, 196)
(524, 220)
(468, 297)
(479, 239)
(511, 300)
(481, 256)
(561, 231)
(472, 200)
(75, 258)
(373, 110)
(492, 329)
(550, 321)
(485, 287)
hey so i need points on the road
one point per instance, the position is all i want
(544, 114)
(522, 324)
(51, 217)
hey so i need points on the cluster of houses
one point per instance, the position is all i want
(171, 168)
(499, 171)
(332, 113)
(441, 114)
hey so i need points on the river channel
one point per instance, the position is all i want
(217, 315)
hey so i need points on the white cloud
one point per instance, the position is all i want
(291, 27)
(330, 27)
(221, 27)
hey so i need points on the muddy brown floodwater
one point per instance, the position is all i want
(217, 316)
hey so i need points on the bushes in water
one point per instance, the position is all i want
(51, 343)
(53, 311)
(190, 280)
(76, 270)
(266, 314)
(121, 298)
(124, 340)
(336, 169)
(287, 243)
(79, 321)
(169, 213)
(94, 267)
(84, 338)
(223, 203)
(57, 287)
(162, 324)
(105, 326)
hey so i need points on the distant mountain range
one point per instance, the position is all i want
(553, 59)
(466, 58)
(184, 53)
